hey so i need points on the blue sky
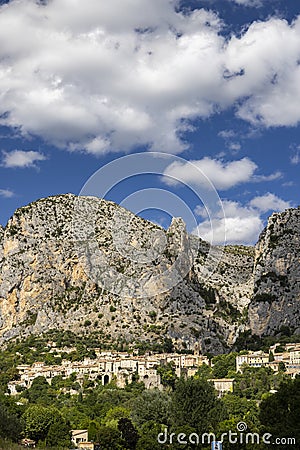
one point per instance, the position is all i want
(214, 82)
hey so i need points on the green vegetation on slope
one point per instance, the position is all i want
(132, 418)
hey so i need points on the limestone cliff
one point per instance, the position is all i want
(45, 284)
(276, 295)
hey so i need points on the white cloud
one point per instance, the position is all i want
(21, 158)
(86, 77)
(6, 193)
(295, 158)
(267, 57)
(234, 146)
(272, 177)
(238, 230)
(242, 223)
(269, 202)
(253, 3)
(226, 134)
(223, 175)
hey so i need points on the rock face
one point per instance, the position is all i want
(276, 294)
(47, 280)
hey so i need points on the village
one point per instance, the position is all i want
(107, 366)
(124, 367)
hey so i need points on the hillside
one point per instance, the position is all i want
(45, 283)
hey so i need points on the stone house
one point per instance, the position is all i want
(255, 359)
(78, 436)
(222, 385)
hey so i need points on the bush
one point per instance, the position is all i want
(264, 297)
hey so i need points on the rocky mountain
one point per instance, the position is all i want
(149, 283)
(275, 300)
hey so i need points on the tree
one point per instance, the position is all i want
(59, 433)
(38, 420)
(113, 416)
(254, 382)
(129, 433)
(105, 400)
(281, 366)
(93, 429)
(10, 426)
(204, 372)
(279, 349)
(167, 374)
(110, 439)
(73, 415)
(168, 346)
(39, 392)
(149, 432)
(241, 409)
(223, 364)
(57, 382)
(195, 404)
(151, 405)
(280, 412)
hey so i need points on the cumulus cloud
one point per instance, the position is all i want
(223, 175)
(21, 158)
(242, 223)
(89, 78)
(267, 56)
(6, 193)
(269, 202)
